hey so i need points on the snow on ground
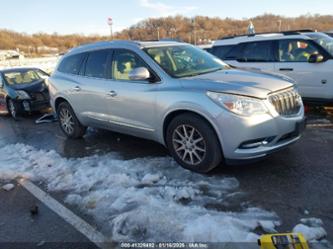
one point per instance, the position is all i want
(145, 199)
(313, 231)
(311, 228)
(310, 233)
(45, 63)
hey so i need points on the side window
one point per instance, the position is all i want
(96, 65)
(234, 53)
(123, 63)
(222, 51)
(257, 52)
(71, 64)
(296, 50)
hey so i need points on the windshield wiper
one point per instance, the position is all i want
(200, 73)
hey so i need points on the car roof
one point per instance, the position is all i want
(121, 44)
(232, 40)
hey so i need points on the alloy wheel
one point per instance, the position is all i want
(189, 144)
(66, 121)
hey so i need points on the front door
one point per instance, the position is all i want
(131, 103)
(314, 80)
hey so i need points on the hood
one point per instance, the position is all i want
(37, 86)
(244, 82)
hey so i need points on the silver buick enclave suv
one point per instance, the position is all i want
(204, 111)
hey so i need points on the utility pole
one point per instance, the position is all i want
(280, 25)
(158, 33)
(110, 23)
(194, 31)
(173, 31)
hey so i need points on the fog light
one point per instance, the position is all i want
(256, 143)
(26, 106)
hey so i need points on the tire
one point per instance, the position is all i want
(12, 108)
(68, 121)
(201, 151)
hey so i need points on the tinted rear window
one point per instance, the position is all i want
(222, 51)
(257, 52)
(96, 65)
(71, 64)
(234, 53)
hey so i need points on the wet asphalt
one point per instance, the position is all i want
(296, 182)
(27, 223)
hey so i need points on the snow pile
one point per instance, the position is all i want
(311, 228)
(8, 187)
(145, 199)
(312, 222)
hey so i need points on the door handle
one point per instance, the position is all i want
(77, 88)
(112, 93)
(286, 69)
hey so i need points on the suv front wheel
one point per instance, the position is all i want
(193, 143)
(68, 121)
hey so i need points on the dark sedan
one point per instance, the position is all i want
(23, 90)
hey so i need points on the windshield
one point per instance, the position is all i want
(323, 40)
(185, 60)
(21, 77)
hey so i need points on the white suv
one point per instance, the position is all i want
(305, 56)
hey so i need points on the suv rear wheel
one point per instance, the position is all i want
(68, 121)
(193, 143)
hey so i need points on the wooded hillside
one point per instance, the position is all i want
(200, 28)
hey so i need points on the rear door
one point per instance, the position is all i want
(221, 51)
(90, 94)
(257, 55)
(314, 80)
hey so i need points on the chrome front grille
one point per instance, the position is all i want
(287, 102)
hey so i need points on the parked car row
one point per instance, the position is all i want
(305, 56)
(206, 112)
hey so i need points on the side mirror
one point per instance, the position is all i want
(139, 73)
(316, 58)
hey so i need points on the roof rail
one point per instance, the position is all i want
(298, 31)
(100, 44)
(303, 30)
(287, 32)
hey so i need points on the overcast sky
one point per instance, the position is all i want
(90, 17)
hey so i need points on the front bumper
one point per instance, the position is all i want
(38, 101)
(32, 106)
(247, 138)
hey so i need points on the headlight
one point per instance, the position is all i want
(22, 94)
(237, 104)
